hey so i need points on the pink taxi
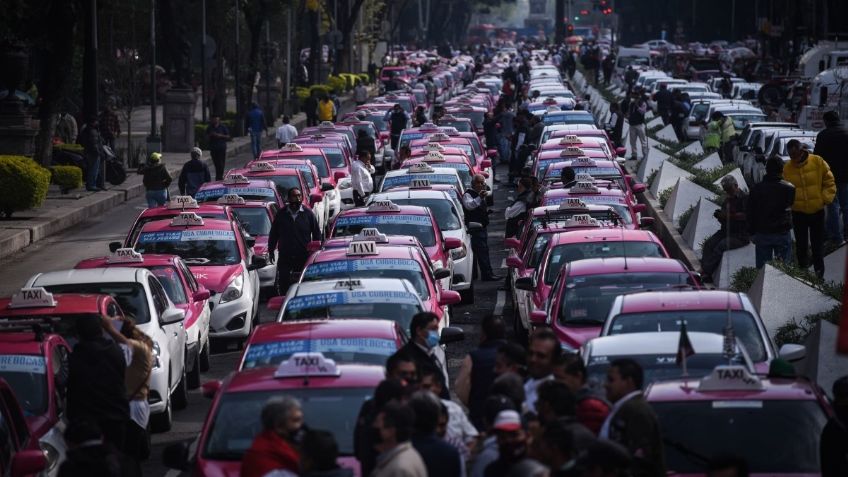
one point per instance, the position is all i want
(248, 189)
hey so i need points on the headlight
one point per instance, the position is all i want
(458, 253)
(233, 290)
(156, 353)
(50, 454)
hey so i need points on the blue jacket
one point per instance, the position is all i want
(256, 120)
(194, 174)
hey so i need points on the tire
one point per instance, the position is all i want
(179, 398)
(203, 360)
(521, 333)
(162, 421)
(467, 295)
(193, 376)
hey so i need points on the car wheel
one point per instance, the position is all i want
(521, 333)
(194, 375)
(204, 357)
(162, 422)
(179, 398)
(467, 295)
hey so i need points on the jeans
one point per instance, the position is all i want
(776, 246)
(480, 247)
(809, 234)
(218, 158)
(156, 197)
(92, 172)
(714, 248)
(836, 231)
(504, 148)
(256, 143)
(638, 132)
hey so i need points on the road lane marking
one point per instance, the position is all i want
(499, 304)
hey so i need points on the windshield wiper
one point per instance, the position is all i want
(196, 260)
(584, 321)
(691, 455)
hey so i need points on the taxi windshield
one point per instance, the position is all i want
(562, 254)
(27, 376)
(334, 156)
(320, 164)
(247, 193)
(130, 296)
(254, 220)
(708, 321)
(587, 299)
(786, 433)
(658, 367)
(461, 126)
(400, 307)
(237, 422)
(378, 121)
(443, 210)
(476, 117)
(172, 283)
(194, 249)
(142, 221)
(341, 350)
(418, 226)
(370, 268)
(284, 183)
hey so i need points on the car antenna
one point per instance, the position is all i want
(623, 246)
(729, 337)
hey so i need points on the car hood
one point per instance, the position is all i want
(576, 336)
(215, 277)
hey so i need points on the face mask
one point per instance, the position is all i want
(432, 339)
(294, 205)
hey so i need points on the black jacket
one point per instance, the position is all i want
(832, 146)
(833, 448)
(440, 458)
(366, 143)
(426, 361)
(664, 100)
(96, 388)
(769, 206)
(291, 236)
(156, 177)
(99, 460)
(635, 426)
(194, 174)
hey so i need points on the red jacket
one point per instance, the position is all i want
(269, 452)
(592, 412)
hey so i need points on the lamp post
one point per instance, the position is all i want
(154, 142)
(239, 119)
(89, 82)
(288, 55)
(203, 61)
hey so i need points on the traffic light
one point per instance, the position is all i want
(569, 29)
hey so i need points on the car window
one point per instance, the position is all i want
(130, 295)
(158, 293)
(189, 277)
(170, 279)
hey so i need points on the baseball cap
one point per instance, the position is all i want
(196, 152)
(508, 420)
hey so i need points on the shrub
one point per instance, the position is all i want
(336, 84)
(200, 131)
(69, 147)
(797, 331)
(320, 90)
(743, 279)
(350, 79)
(301, 93)
(23, 182)
(684, 218)
(664, 196)
(364, 77)
(66, 177)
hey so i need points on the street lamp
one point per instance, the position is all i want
(154, 143)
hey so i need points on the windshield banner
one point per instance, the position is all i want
(374, 219)
(242, 191)
(186, 236)
(22, 364)
(264, 351)
(348, 266)
(351, 298)
(405, 179)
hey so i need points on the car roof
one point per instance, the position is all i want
(202, 208)
(92, 275)
(262, 379)
(403, 210)
(322, 329)
(391, 251)
(773, 389)
(261, 183)
(690, 300)
(392, 240)
(655, 342)
(66, 304)
(426, 193)
(370, 284)
(148, 260)
(603, 235)
(208, 224)
(599, 266)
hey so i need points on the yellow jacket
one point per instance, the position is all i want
(814, 184)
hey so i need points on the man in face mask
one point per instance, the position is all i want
(834, 438)
(512, 443)
(424, 338)
(293, 228)
(274, 447)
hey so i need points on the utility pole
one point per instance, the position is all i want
(154, 142)
(559, 22)
(89, 81)
(288, 56)
(203, 82)
(236, 71)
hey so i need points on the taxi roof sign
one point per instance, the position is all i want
(182, 202)
(370, 234)
(261, 166)
(570, 139)
(326, 125)
(231, 199)
(731, 377)
(421, 167)
(307, 364)
(363, 247)
(187, 219)
(584, 177)
(419, 183)
(439, 137)
(584, 186)
(553, 109)
(428, 126)
(236, 179)
(349, 284)
(291, 147)
(583, 161)
(32, 298)
(573, 203)
(383, 206)
(435, 156)
(572, 151)
(125, 255)
(448, 117)
(582, 220)
(434, 146)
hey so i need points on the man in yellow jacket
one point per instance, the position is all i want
(814, 189)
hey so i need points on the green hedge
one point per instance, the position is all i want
(69, 147)
(320, 90)
(24, 184)
(66, 177)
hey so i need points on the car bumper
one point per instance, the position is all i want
(159, 390)
(232, 319)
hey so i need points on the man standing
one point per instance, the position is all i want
(834, 438)
(477, 372)
(512, 443)
(636, 118)
(257, 127)
(293, 228)
(770, 215)
(274, 447)
(110, 126)
(286, 133)
(664, 100)
(631, 422)
(615, 124)
(543, 352)
(440, 458)
(398, 120)
(360, 93)
(217, 136)
(591, 409)
(310, 107)
(326, 109)
(92, 143)
(734, 228)
(476, 210)
(391, 433)
(814, 189)
(423, 340)
(832, 146)
(361, 171)
(194, 174)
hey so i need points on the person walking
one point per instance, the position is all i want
(665, 101)
(679, 112)
(733, 233)
(217, 135)
(815, 188)
(474, 201)
(769, 215)
(615, 124)
(833, 445)
(832, 146)
(544, 350)
(292, 230)
(423, 340)
(636, 118)
(310, 107)
(607, 65)
(366, 143)
(286, 133)
(326, 109)
(92, 145)
(274, 447)
(631, 421)
(360, 93)
(398, 120)
(420, 117)
(257, 127)
(110, 126)
(361, 177)
(477, 372)
(721, 130)
(392, 431)
(194, 174)
(440, 458)
(156, 181)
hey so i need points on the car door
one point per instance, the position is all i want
(199, 308)
(175, 334)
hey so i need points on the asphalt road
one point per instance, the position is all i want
(91, 239)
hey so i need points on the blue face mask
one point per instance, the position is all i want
(432, 339)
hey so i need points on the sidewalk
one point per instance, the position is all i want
(60, 212)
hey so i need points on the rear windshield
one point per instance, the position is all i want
(254, 220)
(562, 254)
(130, 296)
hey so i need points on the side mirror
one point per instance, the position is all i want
(525, 283)
(316, 198)
(512, 243)
(538, 317)
(114, 246)
(449, 297)
(620, 161)
(441, 273)
(326, 187)
(485, 164)
(210, 388)
(175, 456)
(620, 151)
(276, 303)
(29, 462)
(640, 208)
(639, 188)
(256, 263)
(250, 241)
(452, 243)
(339, 175)
(171, 316)
(646, 222)
(792, 352)
(514, 262)
(491, 152)
(473, 226)
(201, 294)
(313, 246)
(451, 334)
